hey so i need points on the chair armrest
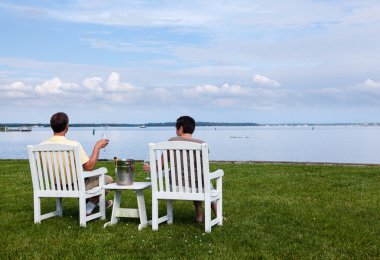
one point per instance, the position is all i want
(216, 174)
(96, 172)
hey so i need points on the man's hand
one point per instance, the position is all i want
(146, 167)
(89, 166)
(101, 143)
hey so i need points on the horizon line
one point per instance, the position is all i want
(200, 123)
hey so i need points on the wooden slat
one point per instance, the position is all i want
(199, 171)
(57, 173)
(159, 168)
(185, 170)
(192, 171)
(73, 170)
(179, 170)
(37, 158)
(59, 157)
(175, 145)
(172, 170)
(67, 171)
(49, 168)
(50, 180)
(49, 162)
(180, 196)
(166, 170)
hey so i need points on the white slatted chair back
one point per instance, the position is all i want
(56, 169)
(180, 171)
(57, 172)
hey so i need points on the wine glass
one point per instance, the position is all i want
(105, 137)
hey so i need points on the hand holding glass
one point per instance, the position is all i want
(104, 136)
(146, 168)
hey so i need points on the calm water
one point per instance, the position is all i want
(343, 144)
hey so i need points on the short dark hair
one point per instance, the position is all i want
(59, 121)
(187, 123)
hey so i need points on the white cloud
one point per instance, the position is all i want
(262, 80)
(52, 86)
(55, 86)
(94, 84)
(16, 86)
(15, 94)
(212, 90)
(369, 85)
(114, 84)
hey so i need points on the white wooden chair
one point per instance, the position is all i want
(57, 172)
(176, 171)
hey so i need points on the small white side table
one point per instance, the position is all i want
(118, 212)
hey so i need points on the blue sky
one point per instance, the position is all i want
(227, 61)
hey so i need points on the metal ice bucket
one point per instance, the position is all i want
(124, 171)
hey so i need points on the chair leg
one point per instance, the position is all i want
(59, 207)
(116, 206)
(82, 211)
(169, 209)
(37, 210)
(154, 214)
(102, 205)
(207, 215)
(220, 211)
(220, 201)
(142, 209)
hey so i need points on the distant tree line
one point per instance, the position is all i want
(127, 125)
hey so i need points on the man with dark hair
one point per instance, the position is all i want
(59, 122)
(187, 123)
(185, 127)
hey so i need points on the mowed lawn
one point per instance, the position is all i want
(286, 211)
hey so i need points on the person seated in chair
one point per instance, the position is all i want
(185, 127)
(59, 123)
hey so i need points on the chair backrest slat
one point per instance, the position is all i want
(166, 170)
(199, 171)
(206, 167)
(159, 168)
(58, 175)
(185, 171)
(65, 168)
(172, 171)
(48, 175)
(192, 171)
(178, 162)
(73, 170)
(37, 158)
(49, 169)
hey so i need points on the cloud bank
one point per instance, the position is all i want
(264, 93)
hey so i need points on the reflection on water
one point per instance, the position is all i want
(346, 144)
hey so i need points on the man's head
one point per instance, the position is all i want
(187, 123)
(58, 122)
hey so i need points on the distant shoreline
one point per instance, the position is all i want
(3, 125)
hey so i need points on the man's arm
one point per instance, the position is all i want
(90, 164)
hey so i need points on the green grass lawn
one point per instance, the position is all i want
(271, 210)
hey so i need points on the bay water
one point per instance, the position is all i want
(331, 144)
